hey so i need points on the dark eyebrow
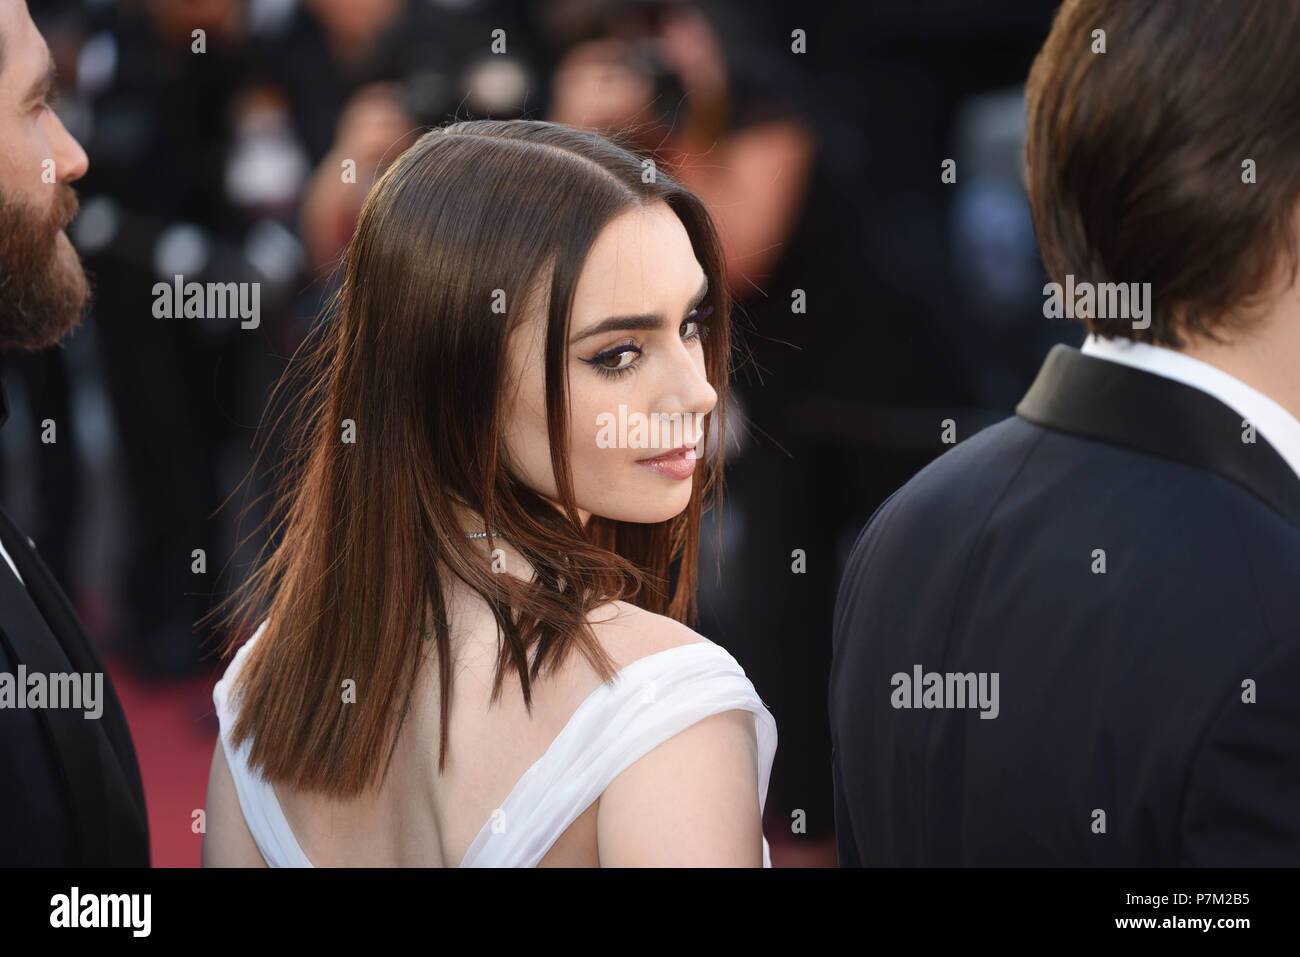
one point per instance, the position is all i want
(43, 84)
(644, 321)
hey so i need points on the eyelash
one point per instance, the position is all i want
(697, 316)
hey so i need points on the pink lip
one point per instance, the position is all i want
(674, 454)
(678, 464)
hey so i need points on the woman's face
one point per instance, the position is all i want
(636, 376)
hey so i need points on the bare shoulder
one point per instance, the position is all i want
(227, 842)
(628, 633)
(693, 799)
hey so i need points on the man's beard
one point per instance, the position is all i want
(42, 291)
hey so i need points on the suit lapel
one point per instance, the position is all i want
(1098, 399)
(96, 756)
(71, 736)
(43, 633)
(63, 623)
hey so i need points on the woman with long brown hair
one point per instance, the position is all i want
(473, 644)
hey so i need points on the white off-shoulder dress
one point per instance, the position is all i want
(652, 699)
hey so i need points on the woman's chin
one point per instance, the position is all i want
(647, 512)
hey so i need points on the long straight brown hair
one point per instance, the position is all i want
(410, 363)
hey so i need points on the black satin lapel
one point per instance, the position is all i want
(75, 751)
(1099, 399)
(53, 636)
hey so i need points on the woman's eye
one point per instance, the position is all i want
(695, 324)
(620, 359)
(615, 361)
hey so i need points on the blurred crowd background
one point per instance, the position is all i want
(921, 300)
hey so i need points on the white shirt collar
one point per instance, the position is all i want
(10, 562)
(1279, 427)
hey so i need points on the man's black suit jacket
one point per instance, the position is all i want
(1130, 568)
(70, 790)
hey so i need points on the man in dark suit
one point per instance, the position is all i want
(1074, 638)
(71, 792)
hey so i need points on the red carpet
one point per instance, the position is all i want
(174, 729)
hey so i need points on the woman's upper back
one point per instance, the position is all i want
(521, 789)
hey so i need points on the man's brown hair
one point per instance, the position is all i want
(1135, 157)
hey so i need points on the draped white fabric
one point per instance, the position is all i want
(652, 699)
(266, 822)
